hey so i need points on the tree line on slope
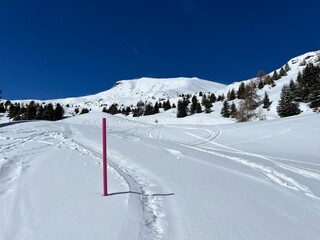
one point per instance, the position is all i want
(34, 111)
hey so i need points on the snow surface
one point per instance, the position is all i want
(256, 180)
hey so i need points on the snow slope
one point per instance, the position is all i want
(129, 92)
(257, 180)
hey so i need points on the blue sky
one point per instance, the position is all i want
(62, 48)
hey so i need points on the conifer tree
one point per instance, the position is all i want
(241, 91)
(286, 106)
(213, 98)
(149, 109)
(207, 104)
(282, 72)
(266, 101)
(48, 112)
(260, 85)
(182, 109)
(58, 112)
(166, 105)
(194, 102)
(31, 111)
(225, 111)
(275, 76)
(233, 110)
(113, 109)
(232, 95)
(199, 109)
(39, 114)
(156, 108)
(287, 67)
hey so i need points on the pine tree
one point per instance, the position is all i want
(127, 111)
(260, 85)
(213, 98)
(241, 91)
(166, 105)
(148, 109)
(84, 111)
(113, 109)
(233, 110)
(156, 108)
(287, 68)
(207, 104)
(282, 72)
(225, 111)
(275, 76)
(199, 109)
(266, 101)
(48, 112)
(31, 111)
(286, 106)
(194, 102)
(39, 114)
(58, 112)
(232, 95)
(182, 110)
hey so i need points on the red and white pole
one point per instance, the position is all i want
(104, 156)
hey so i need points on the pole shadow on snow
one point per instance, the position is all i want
(139, 193)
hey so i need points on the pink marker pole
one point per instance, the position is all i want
(104, 156)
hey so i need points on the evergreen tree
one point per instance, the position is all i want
(233, 110)
(76, 110)
(308, 84)
(149, 109)
(213, 98)
(260, 85)
(266, 101)
(232, 94)
(84, 111)
(287, 68)
(174, 105)
(282, 72)
(156, 108)
(31, 111)
(287, 107)
(39, 114)
(58, 112)
(275, 76)
(225, 111)
(182, 110)
(2, 108)
(128, 110)
(113, 109)
(241, 91)
(48, 112)
(7, 104)
(194, 102)
(208, 105)
(199, 109)
(166, 105)
(13, 111)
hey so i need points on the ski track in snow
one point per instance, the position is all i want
(272, 174)
(150, 212)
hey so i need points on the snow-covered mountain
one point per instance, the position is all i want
(129, 92)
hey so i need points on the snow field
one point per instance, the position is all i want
(257, 180)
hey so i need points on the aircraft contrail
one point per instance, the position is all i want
(132, 48)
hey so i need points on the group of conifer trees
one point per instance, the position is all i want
(141, 108)
(35, 111)
(305, 89)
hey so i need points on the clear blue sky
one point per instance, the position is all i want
(62, 48)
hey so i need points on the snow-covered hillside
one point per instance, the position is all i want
(129, 92)
(256, 180)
